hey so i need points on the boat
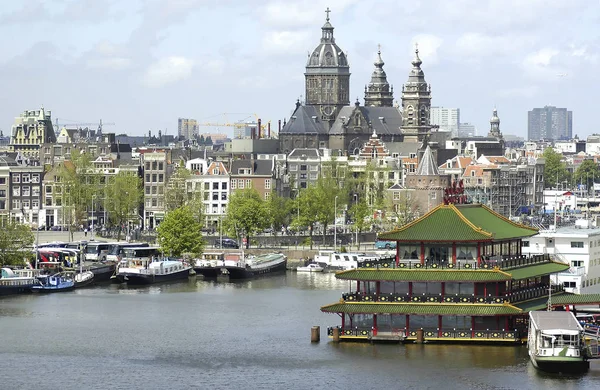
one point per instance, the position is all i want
(344, 261)
(257, 265)
(143, 265)
(17, 282)
(210, 264)
(83, 279)
(156, 271)
(312, 267)
(555, 342)
(53, 283)
(103, 271)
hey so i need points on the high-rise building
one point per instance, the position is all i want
(446, 118)
(187, 128)
(549, 123)
(467, 130)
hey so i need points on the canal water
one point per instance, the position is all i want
(246, 335)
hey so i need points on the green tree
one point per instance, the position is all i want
(246, 215)
(123, 197)
(555, 170)
(327, 189)
(360, 213)
(586, 173)
(278, 211)
(80, 183)
(16, 240)
(402, 208)
(305, 204)
(180, 233)
(176, 194)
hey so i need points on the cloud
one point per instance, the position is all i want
(286, 41)
(113, 63)
(473, 47)
(167, 71)
(428, 47)
(292, 14)
(523, 92)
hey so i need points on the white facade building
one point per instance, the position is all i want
(578, 246)
(445, 118)
(560, 200)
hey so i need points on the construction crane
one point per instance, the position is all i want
(238, 125)
(77, 124)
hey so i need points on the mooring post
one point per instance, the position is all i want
(315, 334)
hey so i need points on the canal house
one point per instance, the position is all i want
(459, 274)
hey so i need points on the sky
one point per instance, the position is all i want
(141, 64)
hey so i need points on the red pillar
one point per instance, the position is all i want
(422, 253)
(377, 286)
(343, 321)
(439, 326)
(407, 323)
(374, 324)
(453, 253)
(478, 253)
(397, 252)
(357, 286)
(443, 290)
(410, 289)
(473, 327)
(506, 324)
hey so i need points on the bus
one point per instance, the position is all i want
(116, 249)
(97, 251)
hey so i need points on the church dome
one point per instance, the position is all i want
(495, 118)
(327, 53)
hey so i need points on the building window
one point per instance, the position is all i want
(216, 171)
(223, 195)
(525, 244)
(233, 184)
(2, 180)
(26, 178)
(576, 244)
(224, 185)
(16, 179)
(570, 284)
(147, 165)
(215, 185)
(16, 204)
(154, 190)
(147, 178)
(160, 166)
(215, 196)
(267, 195)
(303, 167)
(154, 202)
(16, 191)
(576, 263)
(35, 204)
(396, 195)
(248, 183)
(154, 178)
(160, 178)
(293, 167)
(241, 184)
(267, 184)
(147, 190)
(206, 186)
(2, 193)
(35, 178)
(26, 191)
(26, 204)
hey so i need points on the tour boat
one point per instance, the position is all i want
(149, 272)
(53, 283)
(555, 342)
(312, 267)
(15, 282)
(257, 265)
(343, 261)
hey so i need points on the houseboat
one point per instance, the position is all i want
(458, 275)
(17, 281)
(555, 342)
(210, 264)
(144, 266)
(252, 266)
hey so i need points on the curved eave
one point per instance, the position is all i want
(433, 309)
(424, 275)
(536, 270)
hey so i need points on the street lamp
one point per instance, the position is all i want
(335, 223)
(93, 199)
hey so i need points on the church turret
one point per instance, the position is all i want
(416, 103)
(327, 76)
(379, 93)
(495, 125)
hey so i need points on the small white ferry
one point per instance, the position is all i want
(312, 267)
(143, 266)
(555, 342)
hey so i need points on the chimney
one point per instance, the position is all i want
(252, 132)
(269, 129)
(258, 129)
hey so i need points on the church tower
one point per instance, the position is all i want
(327, 76)
(495, 125)
(416, 103)
(379, 93)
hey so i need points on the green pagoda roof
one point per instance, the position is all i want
(575, 299)
(451, 309)
(425, 275)
(537, 270)
(459, 223)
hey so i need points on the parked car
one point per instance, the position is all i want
(226, 243)
(385, 244)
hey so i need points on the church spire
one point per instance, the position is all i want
(378, 93)
(495, 125)
(416, 102)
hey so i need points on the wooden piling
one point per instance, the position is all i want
(420, 336)
(315, 334)
(336, 335)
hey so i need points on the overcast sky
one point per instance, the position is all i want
(143, 63)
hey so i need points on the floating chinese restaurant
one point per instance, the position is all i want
(458, 276)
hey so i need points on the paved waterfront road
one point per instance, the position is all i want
(219, 335)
